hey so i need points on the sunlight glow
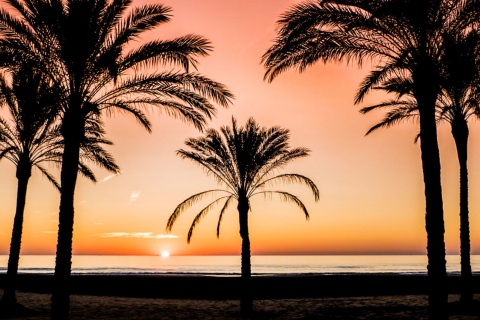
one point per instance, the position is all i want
(165, 254)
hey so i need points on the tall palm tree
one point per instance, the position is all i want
(461, 98)
(244, 160)
(396, 35)
(457, 102)
(87, 47)
(30, 139)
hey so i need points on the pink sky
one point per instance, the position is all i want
(371, 187)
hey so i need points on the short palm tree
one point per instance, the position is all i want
(244, 160)
(458, 101)
(397, 36)
(87, 48)
(31, 138)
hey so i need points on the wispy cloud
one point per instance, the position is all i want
(110, 177)
(148, 235)
(135, 195)
(166, 236)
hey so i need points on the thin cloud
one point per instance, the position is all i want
(147, 235)
(166, 236)
(110, 177)
(135, 196)
(115, 234)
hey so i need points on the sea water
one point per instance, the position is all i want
(230, 265)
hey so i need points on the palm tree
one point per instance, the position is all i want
(397, 36)
(458, 101)
(87, 47)
(30, 139)
(461, 101)
(245, 161)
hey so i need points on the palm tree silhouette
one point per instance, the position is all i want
(458, 101)
(30, 139)
(87, 49)
(398, 36)
(244, 160)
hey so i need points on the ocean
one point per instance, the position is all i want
(230, 265)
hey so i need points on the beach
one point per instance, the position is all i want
(177, 297)
(109, 307)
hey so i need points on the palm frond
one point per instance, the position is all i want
(180, 51)
(287, 197)
(190, 201)
(50, 177)
(397, 114)
(13, 26)
(86, 172)
(138, 21)
(6, 151)
(377, 76)
(198, 83)
(111, 15)
(135, 112)
(201, 214)
(215, 165)
(291, 178)
(392, 103)
(95, 153)
(220, 216)
(184, 95)
(279, 162)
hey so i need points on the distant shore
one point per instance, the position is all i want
(263, 287)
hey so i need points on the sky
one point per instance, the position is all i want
(371, 187)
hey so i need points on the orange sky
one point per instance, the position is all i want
(371, 189)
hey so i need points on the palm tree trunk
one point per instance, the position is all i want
(426, 96)
(246, 301)
(68, 179)
(460, 134)
(9, 298)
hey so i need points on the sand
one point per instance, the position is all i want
(108, 307)
(322, 297)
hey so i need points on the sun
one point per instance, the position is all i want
(165, 254)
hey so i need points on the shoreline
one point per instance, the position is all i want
(221, 288)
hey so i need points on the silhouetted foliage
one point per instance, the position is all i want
(244, 160)
(31, 138)
(87, 48)
(397, 36)
(457, 102)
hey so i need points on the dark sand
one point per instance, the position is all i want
(200, 297)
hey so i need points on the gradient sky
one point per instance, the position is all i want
(371, 188)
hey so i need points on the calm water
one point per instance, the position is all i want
(230, 265)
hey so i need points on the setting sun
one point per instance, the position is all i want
(165, 254)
